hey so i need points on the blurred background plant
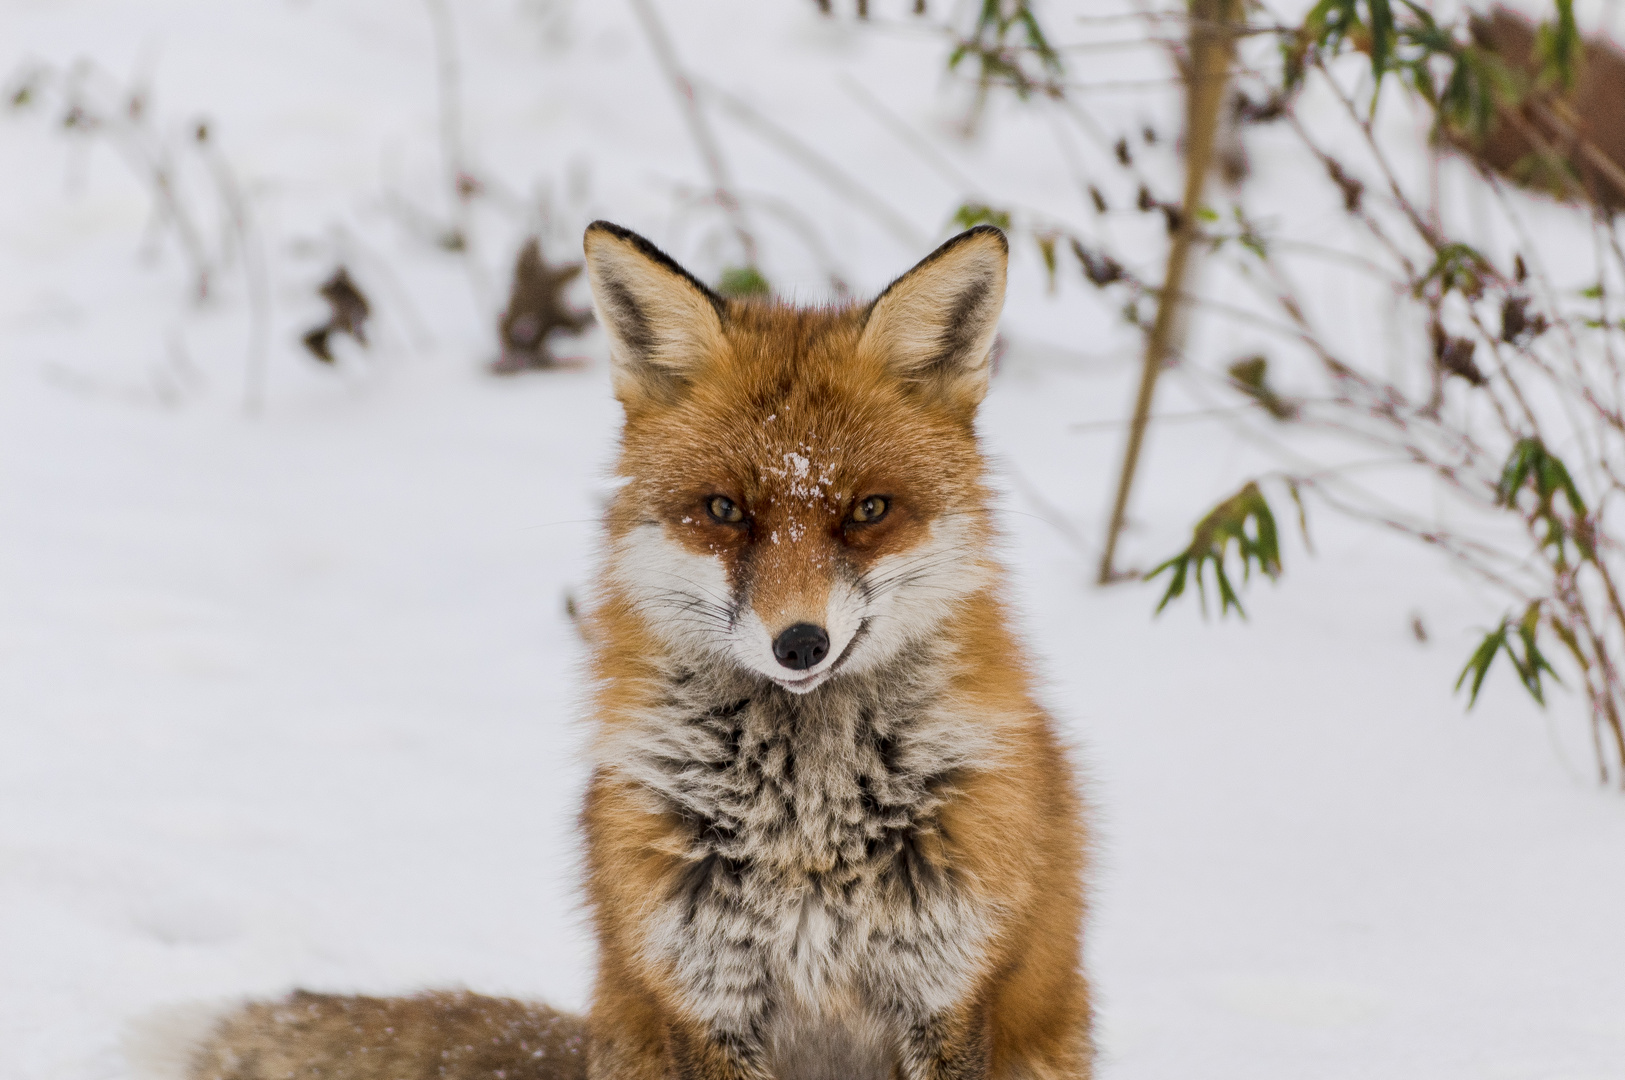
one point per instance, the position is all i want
(1505, 390)
(196, 199)
(1492, 377)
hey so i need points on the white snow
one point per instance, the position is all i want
(292, 700)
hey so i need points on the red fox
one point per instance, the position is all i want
(830, 834)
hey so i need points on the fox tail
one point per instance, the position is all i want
(440, 1035)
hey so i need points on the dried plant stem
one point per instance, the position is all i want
(163, 185)
(1212, 46)
(910, 138)
(460, 181)
(449, 87)
(698, 126)
(147, 156)
(256, 274)
(838, 180)
(790, 216)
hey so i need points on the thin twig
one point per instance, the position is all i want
(853, 191)
(699, 128)
(461, 184)
(910, 138)
(256, 273)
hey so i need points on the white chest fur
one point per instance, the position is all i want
(806, 900)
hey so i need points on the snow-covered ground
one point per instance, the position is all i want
(291, 700)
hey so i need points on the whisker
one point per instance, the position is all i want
(721, 601)
(913, 570)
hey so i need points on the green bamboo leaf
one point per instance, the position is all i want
(1250, 375)
(1516, 470)
(1534, 661)
(1382, 40)
(1478, 665)
(1456, 267)
(1531, 465)
(1570, 642)
(1559, 49)
(1245, 520)
(1046, 251)
(1002, 34)
(1176, 586)
(1530, 665)
(743, 281)
(1227, 595)
(971, 214)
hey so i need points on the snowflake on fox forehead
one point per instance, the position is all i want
(808, 482)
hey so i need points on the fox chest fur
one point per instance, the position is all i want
(815, 881)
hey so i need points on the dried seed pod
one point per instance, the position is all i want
(349, 305)
(1454, 355)
(348, 311)
(1517, 324)
(1101, 269)
(1353, 190)
(536, 308)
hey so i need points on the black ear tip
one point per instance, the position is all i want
(645, 248)
(976, 234)
(613, 229)
(993, 231)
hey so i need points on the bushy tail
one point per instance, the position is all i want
(433, 1036)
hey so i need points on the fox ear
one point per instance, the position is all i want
(934, 326)
(662, 322)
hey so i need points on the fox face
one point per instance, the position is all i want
(802, 490)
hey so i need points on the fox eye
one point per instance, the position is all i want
(870, 510)
(725, 510)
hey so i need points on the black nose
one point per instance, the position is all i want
(801, 646)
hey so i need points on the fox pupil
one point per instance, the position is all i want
(871, 509)
(725, 510)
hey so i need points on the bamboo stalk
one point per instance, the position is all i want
(1212, 45)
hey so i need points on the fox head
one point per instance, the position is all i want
(802, 490)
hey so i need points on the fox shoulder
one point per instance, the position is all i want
(442, 1035)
